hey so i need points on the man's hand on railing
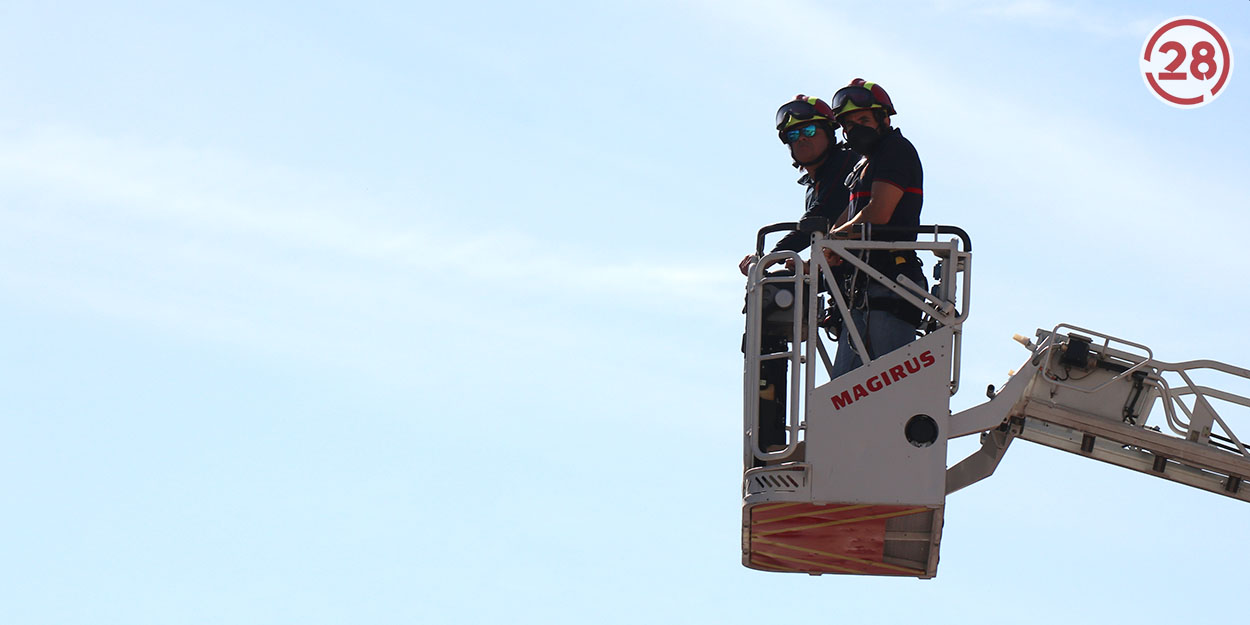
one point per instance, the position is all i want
(745, 265)
(790, 265)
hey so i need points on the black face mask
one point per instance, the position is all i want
(863, 139)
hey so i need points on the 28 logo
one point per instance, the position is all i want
(1164, 66)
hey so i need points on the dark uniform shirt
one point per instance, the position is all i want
(827, 195)
(894, 162)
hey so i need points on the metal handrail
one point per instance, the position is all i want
(1169, 411)
(785, 226)
(914, 297)
(927, 229)
(946, 312)
(756, 279)
(1194, 423)
(1107, 338)
(950, 310)
(1201, 393)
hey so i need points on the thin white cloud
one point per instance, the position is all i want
(214, 245)
(1080, 18)
(196, 188)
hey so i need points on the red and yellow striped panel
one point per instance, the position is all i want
(824, 538)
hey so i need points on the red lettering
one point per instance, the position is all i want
(840, 401)
(886, 378)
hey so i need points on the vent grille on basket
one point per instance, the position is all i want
(778, 480)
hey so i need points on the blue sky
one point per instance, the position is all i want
(393, 313)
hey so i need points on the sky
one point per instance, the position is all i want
(430, 313)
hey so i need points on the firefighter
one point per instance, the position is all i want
(805, 125)
(886, 189)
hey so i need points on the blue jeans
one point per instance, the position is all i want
(885, 333)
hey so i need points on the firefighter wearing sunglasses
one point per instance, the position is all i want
(886, 189)
(805, 125)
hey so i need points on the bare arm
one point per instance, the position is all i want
(880, 208)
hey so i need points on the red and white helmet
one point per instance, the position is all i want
(861, 95)
(803, 109)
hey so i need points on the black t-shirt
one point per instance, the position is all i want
(827, 195)
(894, 162)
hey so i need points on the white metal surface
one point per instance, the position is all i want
(856, 443)
(949, 307)
(1101, 409)
(853, 489)
(846, 446)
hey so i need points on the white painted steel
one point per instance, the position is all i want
(756, 280)
(1083, 410)
(846, 440)
(835, 447)
(858, 451)
(949, 308)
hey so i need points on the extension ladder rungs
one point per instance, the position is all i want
(1139, 449)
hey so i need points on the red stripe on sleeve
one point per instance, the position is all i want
(916, 190)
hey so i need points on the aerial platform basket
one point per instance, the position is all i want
(848, 475)
(866, 490)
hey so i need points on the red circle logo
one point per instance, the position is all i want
(1186, 62)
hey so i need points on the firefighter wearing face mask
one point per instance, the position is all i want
(886, 189)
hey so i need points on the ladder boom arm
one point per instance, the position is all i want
(1094, 400)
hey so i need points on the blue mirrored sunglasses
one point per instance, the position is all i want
(807, 131)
